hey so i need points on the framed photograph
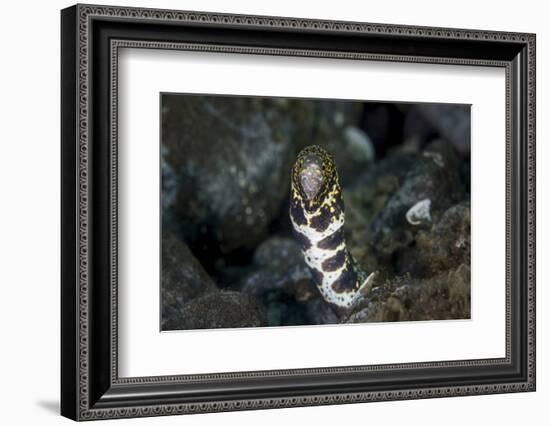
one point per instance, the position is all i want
(263, 212)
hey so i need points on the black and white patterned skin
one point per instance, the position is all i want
(318, 216)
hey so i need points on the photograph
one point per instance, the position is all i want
(280, 211)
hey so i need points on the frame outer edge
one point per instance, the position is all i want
(531, 200)
(69, 288)
(83, 101)
(81, 318)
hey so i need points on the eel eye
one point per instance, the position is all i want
(311, 176)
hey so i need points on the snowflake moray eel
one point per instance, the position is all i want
(317, 215)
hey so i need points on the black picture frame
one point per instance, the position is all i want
(90, 386)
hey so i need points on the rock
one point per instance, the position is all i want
(384, 122)
(433, 179)
(364, 203)
(284, 310)
(359, 145)
(336, 130)
(425, 121)
(262, 281)
(182, 277)
(334, 126)
(283, 282)
(226, 164)
(320, 312)
(296, 281)
(279, 266)
(444, 296)
(442, 247)
(278, 253)
(221, 309)
(451, 121)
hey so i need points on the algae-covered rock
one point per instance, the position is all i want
(182, 276)
(433, 179)
(442, 247)
(220, 309)
(444, 296)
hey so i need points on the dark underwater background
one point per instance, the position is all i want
(228, 256)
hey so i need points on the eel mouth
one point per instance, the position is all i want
(311, 175)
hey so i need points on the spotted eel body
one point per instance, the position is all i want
(317, 215)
